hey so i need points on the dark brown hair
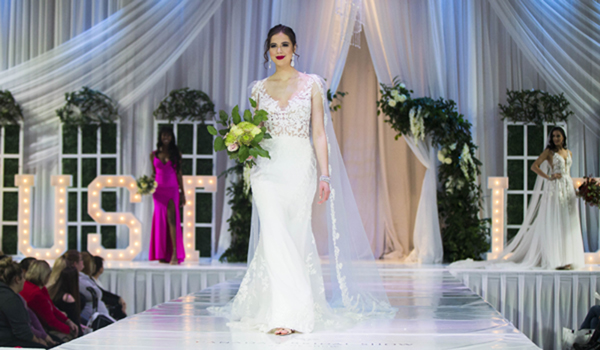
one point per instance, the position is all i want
(72, 257)
(9, 270)
(26, 262)
(67, 283)
(174, 153)
(551, 146)
(280, 28)
(99, 263)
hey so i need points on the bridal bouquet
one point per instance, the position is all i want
(590, 191)
(241, 138)
(146, 185)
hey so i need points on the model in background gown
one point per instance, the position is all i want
(161, 247)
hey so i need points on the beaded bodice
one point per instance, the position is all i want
(290, 120)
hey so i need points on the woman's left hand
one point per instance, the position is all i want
(323, 191)
(182, 201)
(73, 327)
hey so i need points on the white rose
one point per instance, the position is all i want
(233, 147)
(403, 86)
(395, 93)
(448, 160)
(401, 98)
(392, 103)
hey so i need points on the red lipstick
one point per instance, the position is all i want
(280, 57)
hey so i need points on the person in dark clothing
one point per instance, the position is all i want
(65, 294)
(14, 319)
(592, 318)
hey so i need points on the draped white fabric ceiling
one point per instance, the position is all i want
(137, 51)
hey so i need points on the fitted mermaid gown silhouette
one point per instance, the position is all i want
(161, 247)
(283, 286)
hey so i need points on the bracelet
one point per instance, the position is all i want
(325, 178)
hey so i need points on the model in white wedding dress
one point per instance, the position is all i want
(550, 236)
(284, 288)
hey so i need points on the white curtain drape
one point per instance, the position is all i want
(427, 238)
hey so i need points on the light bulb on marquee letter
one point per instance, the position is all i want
(190, 184)
(60, 184)
(114, 218)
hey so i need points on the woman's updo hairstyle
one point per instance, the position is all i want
(280, 28)
(9, 270)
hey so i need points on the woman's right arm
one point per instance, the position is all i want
(535, 167)
(152, 163)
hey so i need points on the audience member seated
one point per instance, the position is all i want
(38, 300)
(14, 320)
(85, 281)
(93, 267)
(65, 294)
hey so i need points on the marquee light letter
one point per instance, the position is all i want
(25, 184)
(114, 218)
(190, 184)
(498, 185)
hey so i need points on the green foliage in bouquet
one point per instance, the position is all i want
(589, 191)
(184, 104)
(146, 185)
(534, 106)
(464, 234)
(10, 111)
(241, 218)
(87, 106)
(240, 138)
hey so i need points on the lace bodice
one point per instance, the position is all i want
(293, 119)
(560, 165)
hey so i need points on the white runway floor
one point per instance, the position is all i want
(436, 311)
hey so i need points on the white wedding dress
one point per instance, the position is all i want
(550, 236)
(283, 286)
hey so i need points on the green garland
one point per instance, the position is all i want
(464, 234)
(10, 111)
(184, 103)
(534, 106)
(241, 217)
(87, 107)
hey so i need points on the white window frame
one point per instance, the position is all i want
(525, 192)
(3, 189)
(77, 187)
(195, 156)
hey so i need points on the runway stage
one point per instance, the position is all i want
(436, 311)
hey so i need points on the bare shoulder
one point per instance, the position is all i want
(68, 298)
(152, 155)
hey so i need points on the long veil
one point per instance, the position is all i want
(518, 252)
(357, 287)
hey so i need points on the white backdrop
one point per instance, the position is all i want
(137, 51)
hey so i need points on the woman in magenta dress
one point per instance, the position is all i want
(166, 241)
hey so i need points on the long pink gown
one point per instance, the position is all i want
(167, 190)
